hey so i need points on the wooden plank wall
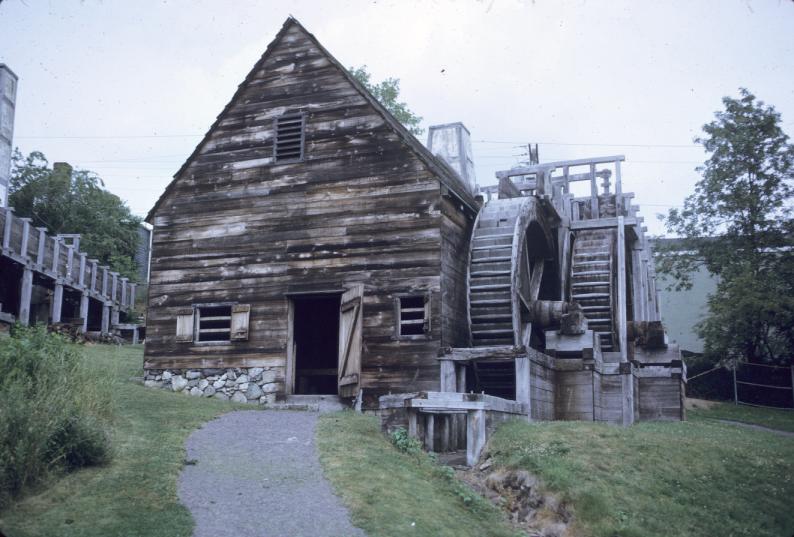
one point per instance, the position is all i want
(542, 381)
(609, 399)
(456, 229)
(660, 398)
(574, 397)
(237, 227)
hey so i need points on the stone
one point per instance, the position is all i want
(158, 377)
(231, 375)
(268, 399)
(167, 375)
(192, 383)
(229, 383)
(152, 383)
(203, 383)
(195, 391)
(239, 397)
(178, 383)
(193, 375)
(209, 372)
(253, 392)
(241, 379)
(254, 372)
(242, 387)
(270, 388)
(221, 396)
(209, 391)
(218, 384)
(268, 376)
(223, 377)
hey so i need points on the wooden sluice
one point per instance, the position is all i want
(80, 287)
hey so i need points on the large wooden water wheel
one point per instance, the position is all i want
(512, 269)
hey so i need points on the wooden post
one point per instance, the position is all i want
(57, 303)
(447, 376)
(622, 290)
(133, 287)
(523, 384)
(105, 319)
(412, 425)
(84, 311)
(430, 426)
(594, 211)
(26, 291)
(7, 229)
(81, 279)
(460, 382)
(42, 245)
(114, 316)
(445, 433)
(123, 291)
(627, 393)
(135, 342)
(105, 281)
(735, 389)
(23, 249)
(114, 285)
(619, 202)
(792, 386)
(94, 269)
(56, 255)
(70, 263)
(475, 435)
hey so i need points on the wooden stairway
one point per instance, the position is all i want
(490, 291)
(591, 282)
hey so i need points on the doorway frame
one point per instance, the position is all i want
(289, 373)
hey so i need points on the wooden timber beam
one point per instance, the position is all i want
(598, 223)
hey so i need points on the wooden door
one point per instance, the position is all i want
(350, 321)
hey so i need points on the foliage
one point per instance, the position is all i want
(387, 92)
(391, 493)
(55, 410)
(657, 479)
(404, 442)
(738, 223)
(76, 203)
(136, 493)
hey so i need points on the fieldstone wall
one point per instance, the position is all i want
(251, 385)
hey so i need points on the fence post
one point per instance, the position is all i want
(792, 385)
(735, 391)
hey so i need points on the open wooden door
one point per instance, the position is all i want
(350, 321)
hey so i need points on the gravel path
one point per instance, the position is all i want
(257, 474)
(758, 427)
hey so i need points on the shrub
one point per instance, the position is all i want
(54, 409)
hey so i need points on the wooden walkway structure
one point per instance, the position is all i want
(80, 287)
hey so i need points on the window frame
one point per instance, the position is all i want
(288, 116)
(427, 327)
(196, 323)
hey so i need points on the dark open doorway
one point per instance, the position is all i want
(316, 344)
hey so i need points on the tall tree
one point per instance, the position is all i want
(75, 201)
(388, 93)
(738, 224)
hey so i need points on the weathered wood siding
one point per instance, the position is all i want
(660, 398)
(574, 395)
(361, 208)
(542, 382)
(456, 229)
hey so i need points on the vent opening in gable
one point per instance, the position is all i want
(289, 138)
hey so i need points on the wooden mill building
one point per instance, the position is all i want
(312, 245)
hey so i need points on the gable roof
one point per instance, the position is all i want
(445, 173)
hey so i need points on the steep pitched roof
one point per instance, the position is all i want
(446, 175)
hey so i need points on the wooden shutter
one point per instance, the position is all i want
(240, 316)
(184, 324)
(350, 321)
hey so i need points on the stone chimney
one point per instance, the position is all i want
(452, 143)
(8, 98)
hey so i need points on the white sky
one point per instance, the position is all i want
(127, 89)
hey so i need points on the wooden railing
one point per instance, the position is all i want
(62, 261)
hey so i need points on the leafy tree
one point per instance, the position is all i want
(738, 224)
(387, 92)
(75, 202)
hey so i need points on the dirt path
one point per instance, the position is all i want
(257, 474)
(757, 427)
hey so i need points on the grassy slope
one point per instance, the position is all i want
(387, 491)
(775, 419)
(135, 495)
(696, 478)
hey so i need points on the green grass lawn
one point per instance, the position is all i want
(390, 493)
(775, 419)
(699, 478)
(134, 495)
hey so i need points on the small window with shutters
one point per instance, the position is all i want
(289, 138)
(213, 323)
(413, 315)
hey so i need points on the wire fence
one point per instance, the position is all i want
(762, 385)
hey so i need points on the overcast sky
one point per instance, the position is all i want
(127, 89)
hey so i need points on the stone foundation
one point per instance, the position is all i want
(241, 385)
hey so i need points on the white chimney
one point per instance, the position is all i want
(452, 143)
